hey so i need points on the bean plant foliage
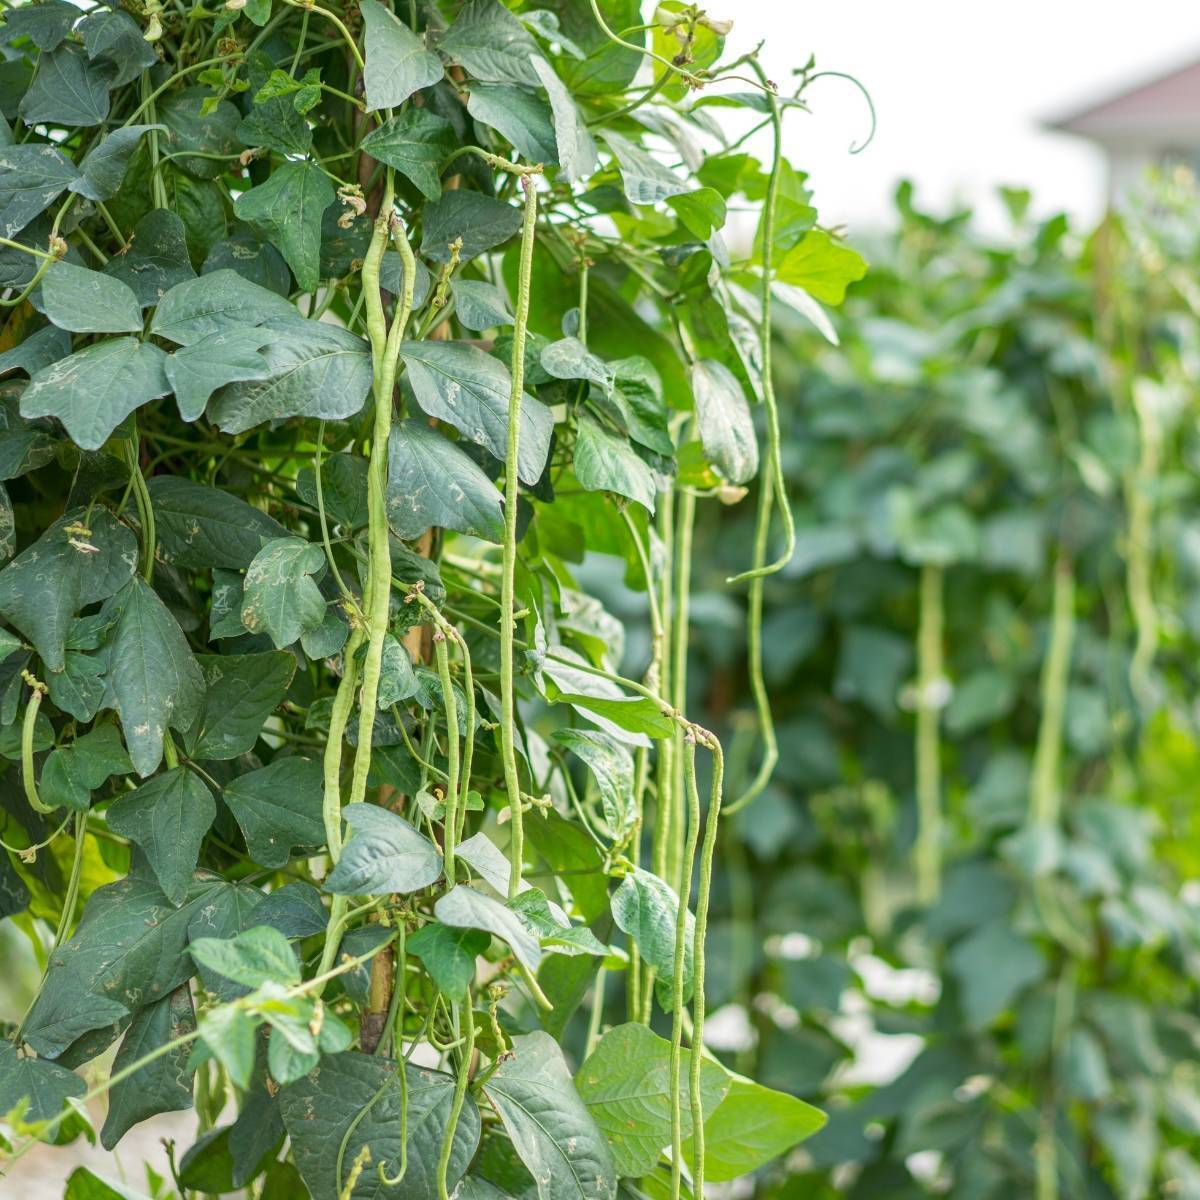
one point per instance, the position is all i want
(336, 339)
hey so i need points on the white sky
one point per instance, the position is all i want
(960, 87)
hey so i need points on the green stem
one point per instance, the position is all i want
(930, 682)
(679, 671)
(1045, 791)
(460, 1092)
(512, 489)
(450, 705)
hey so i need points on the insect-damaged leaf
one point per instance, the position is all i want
(163, 1085)
(168, 818)
(287, 208)
(397, 62)
(241, 692)
(32, 176)
(333, 1106)
(280, 596)
(96, 388)
(44, 1086)
(551, 1129)
(431, 482)
(383, 854)
(278, 808)
(647, 909)
(85, 301)
(461, 384)
(724, 422)
(69, 566)
(153, 679)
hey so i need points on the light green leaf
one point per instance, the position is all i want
(702, 212)
(449, 955)
(103, 168)
(164, 1085)
(479, 305)
(645, 179)
(397, 62)
(569, 358)
(354, 1100)
(551, 1129)
(490, 44)
(458, 383)
(229, 1034)
(724, 422)
(315, 370)
(383, 854)
(648, 911)
(287, 208)
(431, 482)
(95, 389)
(278, 808)
(68, 90)
(153, 680)
(168, 818)
(465, 908)
(200, 526)
(32, 176)
(626, 1084)
(607, 463)
(195, 372)
(611, 765)
(257, 956)
(752, 1126)
(576, 148)
(280, 595)
(241, 692)
(481, 221)
(196, 309)
(85, 301)
(519, 115)
(43, 1085)
(415, 143)
(71, 565)
(821, 266)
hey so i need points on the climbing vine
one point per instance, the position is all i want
(341, 345)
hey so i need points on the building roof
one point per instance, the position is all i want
(1163, 109)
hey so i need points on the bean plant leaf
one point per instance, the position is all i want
(724, 422)
(822, 267)
(200, 526)
(626, 1084)
(278, 809)
(449, 955)
(646, 180)
(470, 389)
(288, 208)
(398, 63)
(480, 305)
(752, 1126)
(576, 147)
(44, 1086)
(415, 143)
(103, 167)
(68, 89)
(206, 129)
(606, 463)
(46, 25)
(96, 388)
(240, 692)
(648, 910)
(195, 309)
(153, 679)
(32, 176)
(611, 765)
(490, 44)
(481, 222)
(431, 482)
(167, 817)
(115, 38)
(552, 1130)
(163, 1085)
(257, 956)
(520, 115)
(195, 372)
(281, 597)
(466, 908)
(333, 1106)
(85, 301)
(156, 259)
(383, 854)
(343, 489)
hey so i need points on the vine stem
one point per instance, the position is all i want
(1045, 793)
(677, 982)
(1139, 549)
(679, 672)
(460, 1092)
(512, 488)
(927, 852)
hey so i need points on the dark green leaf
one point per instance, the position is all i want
(491, 44)
(449, 955)
(384, 854)
(465, 908)
(68, 90)
(519, 115)
(551, 1129)
(78, 688)
(461, 384)
(153, 680)
(220, 300)
(85, 301)
(397, 62)
(157, 258)
(278, 808)
(212, 133)
(164, 1085)
(114, 37)
(354, 1100)
(287, 208)
(168, 818)
(195, 372)
(479, 305)
(343, 489)
(480, 221)
(103, 167)
(95, 389)
(433, 483)
(46, 25)
(241, 692)
(32, 176)
(45, 1086)
(606, 463)
(415, 143)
